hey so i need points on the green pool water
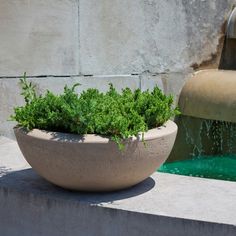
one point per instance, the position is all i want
(214, 167)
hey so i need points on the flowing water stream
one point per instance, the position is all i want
(213, 152)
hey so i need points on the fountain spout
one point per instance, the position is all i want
(228, 56)
(208, 102)
(231, 26)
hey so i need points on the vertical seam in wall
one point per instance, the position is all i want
(78, 49)
(140, 82)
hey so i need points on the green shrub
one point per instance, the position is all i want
(119, 115)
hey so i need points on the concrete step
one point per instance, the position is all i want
(162, 205)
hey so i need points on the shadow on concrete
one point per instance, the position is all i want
(27, 181)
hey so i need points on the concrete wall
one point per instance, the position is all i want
(39, 37)
(161, 42)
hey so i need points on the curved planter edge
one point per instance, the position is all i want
(93, 162)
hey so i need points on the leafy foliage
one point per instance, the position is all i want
(119, 115)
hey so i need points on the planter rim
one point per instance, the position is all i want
(166, 129)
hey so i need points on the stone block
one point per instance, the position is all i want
(159, 36)
(39, 37)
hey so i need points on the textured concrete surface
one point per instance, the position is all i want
(39, 37)
(102, 37)
(165, 81)
(152, 35)
(162, 205)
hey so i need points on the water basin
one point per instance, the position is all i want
(213, 167)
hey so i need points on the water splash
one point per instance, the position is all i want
(212, 149)
(223, 136)
(192, 136)
(209, 136)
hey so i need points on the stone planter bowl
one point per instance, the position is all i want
(92, 162)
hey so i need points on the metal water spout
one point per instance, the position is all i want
(231, 26)
(228, 56)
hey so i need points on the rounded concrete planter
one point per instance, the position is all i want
(92, 162)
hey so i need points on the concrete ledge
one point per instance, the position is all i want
(162, 205)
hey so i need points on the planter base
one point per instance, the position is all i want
(92, 162)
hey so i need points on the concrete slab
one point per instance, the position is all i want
(39, 37)
(157, 36)
(162, 205)
(73, 37)
(128, 37)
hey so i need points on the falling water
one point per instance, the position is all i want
(211, 136)
(213, 150)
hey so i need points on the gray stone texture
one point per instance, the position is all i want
(164, 204)
(102, 37)
(38, 37)
(152, 35)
